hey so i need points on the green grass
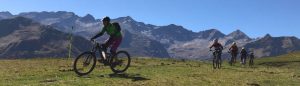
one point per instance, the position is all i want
(282, 70)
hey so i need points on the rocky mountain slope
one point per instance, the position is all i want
(157, 41)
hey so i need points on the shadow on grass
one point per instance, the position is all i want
(133, 77)
(278, 64)
(48, 81)
(237, 70)
(253, 84)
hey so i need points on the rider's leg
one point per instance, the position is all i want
(241, 59)
(214, 54)
(231, 59)
(108, 42)
(116, 43)
(219, 54)
(251, 60)
(234, 57)
(244, 59)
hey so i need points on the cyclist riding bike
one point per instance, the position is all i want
(244, 55)
(234, 52)
(251, 58)
(218, 48)
(115, 34)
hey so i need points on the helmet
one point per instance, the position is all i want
(243, 48)
(216, 40)
(106, 18)
(233, 43)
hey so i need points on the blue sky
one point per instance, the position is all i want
(254, 17)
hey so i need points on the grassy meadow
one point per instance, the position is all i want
(271, 71)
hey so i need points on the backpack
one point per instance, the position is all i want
(117, 26)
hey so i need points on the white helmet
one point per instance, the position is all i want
(233, 43)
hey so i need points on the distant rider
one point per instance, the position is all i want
(251, 57)
(243, 56)
(218, 48)
(234, 52)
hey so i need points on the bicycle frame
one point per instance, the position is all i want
(90, 57)
(97, 47)
(103, 55)
(217, 58)
(217, 54)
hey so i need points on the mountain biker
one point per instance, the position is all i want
(115, 38)
(233, 51)
(218, 47)
(251, 57)
(243, 56)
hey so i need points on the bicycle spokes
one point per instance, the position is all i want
(120, 62)
(84, 63)
(87, 61)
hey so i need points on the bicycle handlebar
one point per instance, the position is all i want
(95, 42)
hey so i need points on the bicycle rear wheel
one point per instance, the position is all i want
(219, 63)
(120, 62)
(214, 63)
(84, 63)
(231, 61)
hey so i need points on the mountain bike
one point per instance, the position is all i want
(233, 58)
(243, 60)
(86, 61)
(251, 63)
(217, 58)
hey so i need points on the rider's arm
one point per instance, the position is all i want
(230, 48)
(99, 34)
(222, 47)
(211, 46)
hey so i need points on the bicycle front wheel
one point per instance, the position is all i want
(120, 62)
(219, 63)
(84, 63)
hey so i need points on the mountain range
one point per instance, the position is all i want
(140, 39)
(24, 38)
